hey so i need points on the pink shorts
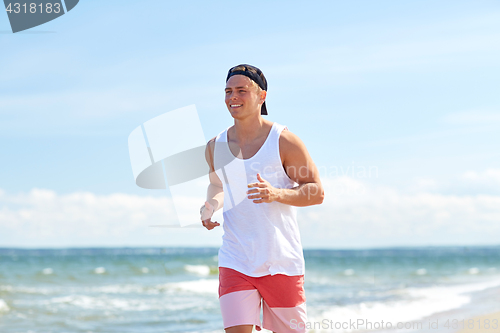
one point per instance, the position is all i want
(283, 301)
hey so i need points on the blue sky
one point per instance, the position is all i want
(410, 88)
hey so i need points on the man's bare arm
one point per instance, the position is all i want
(300, 167)
(215, 193)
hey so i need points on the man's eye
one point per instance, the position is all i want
(242, 91)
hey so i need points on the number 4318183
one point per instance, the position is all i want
(472, 324)
(33, 8)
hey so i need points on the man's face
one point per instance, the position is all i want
(242, 97)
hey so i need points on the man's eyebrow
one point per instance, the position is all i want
(245, 87)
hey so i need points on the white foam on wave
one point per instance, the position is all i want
(89, 302)
(116, 304)
(122, 289)
(27, 290)
(100, 270)
(3, 306)
(6, 288)
(198, 269)
(47, 271)
(422, 303)
(473, 270)
(204, 286)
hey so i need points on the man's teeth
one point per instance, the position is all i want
(235, 105)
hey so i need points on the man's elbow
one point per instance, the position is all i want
(321, 196)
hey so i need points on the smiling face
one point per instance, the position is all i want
(243, 98)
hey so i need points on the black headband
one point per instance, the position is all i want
(254, 74)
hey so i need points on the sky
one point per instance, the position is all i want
(397, 103)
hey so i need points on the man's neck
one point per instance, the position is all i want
(249, 129)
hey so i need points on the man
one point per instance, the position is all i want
(255, 166)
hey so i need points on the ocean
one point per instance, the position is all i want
(175, 289)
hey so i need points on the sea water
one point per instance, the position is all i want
(175, 289)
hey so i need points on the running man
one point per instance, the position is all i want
(261, 171)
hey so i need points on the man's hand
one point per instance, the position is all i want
(264, 191)
(206, 212)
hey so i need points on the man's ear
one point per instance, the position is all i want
(263, 95)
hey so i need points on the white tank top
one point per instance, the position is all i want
(259, 238)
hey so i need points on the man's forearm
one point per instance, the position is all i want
(215, 196)
(303, 195)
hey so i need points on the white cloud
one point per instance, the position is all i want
(468, 183)
(355, 213)
(43, 217)
(472, 182)
(44, 213)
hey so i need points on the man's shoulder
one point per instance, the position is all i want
(221, 134)
(289, 140)
(211, 144)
